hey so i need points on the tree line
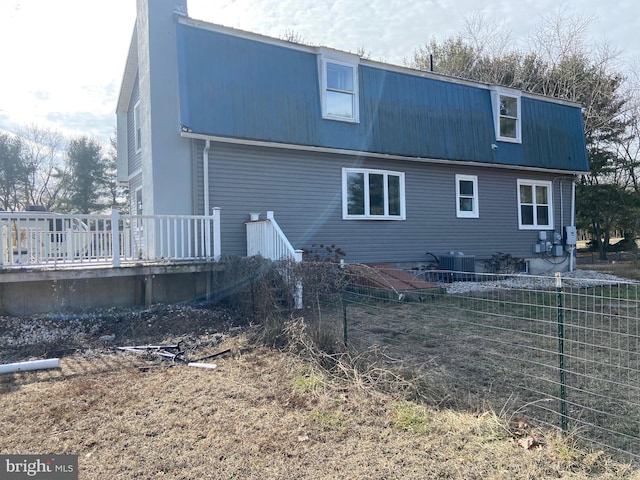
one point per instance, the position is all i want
(41, 167)
(560, 62)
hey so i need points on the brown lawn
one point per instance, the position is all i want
(262, 414)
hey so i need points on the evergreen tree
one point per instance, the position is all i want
(86, 182)
(12, 173)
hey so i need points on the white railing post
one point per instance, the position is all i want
(217, 248)
(115, 237)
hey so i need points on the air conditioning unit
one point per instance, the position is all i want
(458, 262)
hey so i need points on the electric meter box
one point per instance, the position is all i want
(570, 235)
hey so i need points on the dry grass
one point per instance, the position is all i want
(624, 264)
(501, 348)
(264, 414)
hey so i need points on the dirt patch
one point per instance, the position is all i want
(62, 334)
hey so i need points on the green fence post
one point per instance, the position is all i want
(563, 383)
(344, 318)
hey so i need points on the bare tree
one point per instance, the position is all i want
(117, 193)
(487, 36)
(292, 36)
(43, 151)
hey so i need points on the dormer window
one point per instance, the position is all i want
(339, 87)
(506, 114)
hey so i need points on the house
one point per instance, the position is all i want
(386, 162)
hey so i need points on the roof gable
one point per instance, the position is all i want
(242, 87)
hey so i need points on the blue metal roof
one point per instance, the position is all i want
(232, 86)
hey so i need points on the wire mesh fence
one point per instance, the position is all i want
(560, 352)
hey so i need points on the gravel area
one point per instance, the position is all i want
(576, 279)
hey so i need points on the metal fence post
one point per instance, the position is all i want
(563, 383)
(344, 318)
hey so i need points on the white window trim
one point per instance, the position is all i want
(474, 213)
(367, 215)
(496, 92)
(136, 113)
(346, 60)
(135, 200)
(536, 225)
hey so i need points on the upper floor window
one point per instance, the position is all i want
(467, 196)
(339, 88)
(535, 209)
(507, 114)
(136, 127)
(372, 194)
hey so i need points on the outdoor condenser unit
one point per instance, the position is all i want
(458, 262)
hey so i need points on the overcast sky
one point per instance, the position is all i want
(62, 60)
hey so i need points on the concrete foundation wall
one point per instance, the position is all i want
(40, 292)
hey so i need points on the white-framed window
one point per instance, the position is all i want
(507, 115)
(138, 199)
(137, 129)
(535, 206)
(467, 196)
(372, 194)
(339, 88)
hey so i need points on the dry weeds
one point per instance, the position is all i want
(263, 414)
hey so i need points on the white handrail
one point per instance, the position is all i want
(266, 238)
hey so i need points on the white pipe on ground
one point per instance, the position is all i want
(210, 366)
(30, 365)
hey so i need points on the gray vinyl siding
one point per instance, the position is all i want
(135, 160)
(304, 191)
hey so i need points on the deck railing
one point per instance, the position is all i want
(48, 239)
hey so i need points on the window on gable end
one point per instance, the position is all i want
(467, 196)
(339, 88)
(507, 114)
(137, 129)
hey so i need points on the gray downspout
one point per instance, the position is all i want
(205, 169)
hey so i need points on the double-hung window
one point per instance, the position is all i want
(339, 88)
(372, 194)
(467, 196)
(507, 114)
(137, 129)
(535, 208)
